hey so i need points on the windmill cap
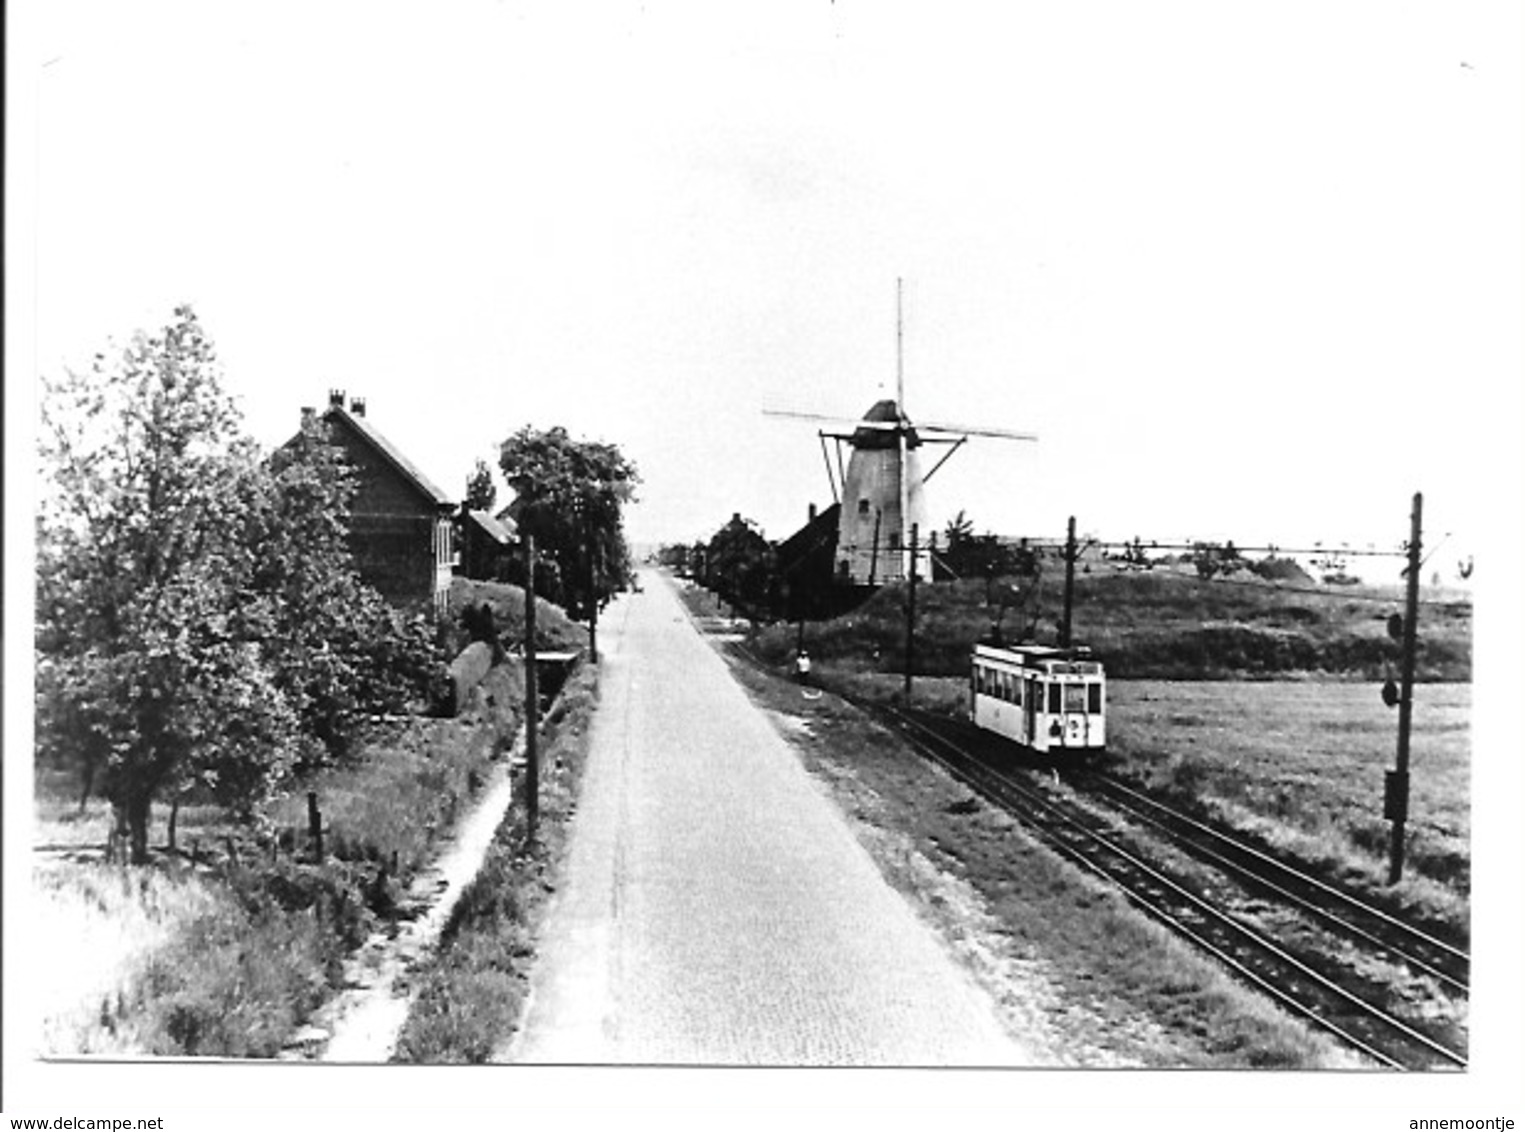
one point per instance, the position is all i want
(883, 412)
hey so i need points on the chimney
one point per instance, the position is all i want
(812, 514)
(309, 417)
(357, 406)
(336, 398)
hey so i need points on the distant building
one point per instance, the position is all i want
(400, 523)
(486, 542)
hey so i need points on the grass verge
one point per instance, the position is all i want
(226, 947)
(471, 995)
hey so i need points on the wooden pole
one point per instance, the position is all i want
(910, 621)
(873, 556)
(314, 827)
(531, 694)
(588, 542)
(1397, 796)
(1069, 585)
(593, 629)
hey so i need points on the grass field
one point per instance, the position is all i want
(1301, 766)
(1155, 625)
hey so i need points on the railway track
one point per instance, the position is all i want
(1308, 987)
(1357, 920)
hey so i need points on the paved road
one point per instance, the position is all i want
(717, 909)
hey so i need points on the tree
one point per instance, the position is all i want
(150, 667)
(338, 650)
(960, 531)
(741, 564)
(570, 495)
(481, 492)
(1211, 559)
(968, 555)
(199, 621)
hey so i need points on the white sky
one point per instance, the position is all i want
(1251, 270)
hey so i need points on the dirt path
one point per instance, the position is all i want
(362, 1023)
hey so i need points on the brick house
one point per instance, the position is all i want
(400, 523)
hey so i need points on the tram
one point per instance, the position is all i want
(1050, 700)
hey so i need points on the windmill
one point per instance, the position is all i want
(881, 489)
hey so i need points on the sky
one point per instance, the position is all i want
(1251, 270)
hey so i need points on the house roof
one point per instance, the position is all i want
(500, 530)
(367, 431)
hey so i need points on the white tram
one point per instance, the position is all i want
(1050, 700)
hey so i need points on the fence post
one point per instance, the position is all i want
(314, 827)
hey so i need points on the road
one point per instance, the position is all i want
(717, 909)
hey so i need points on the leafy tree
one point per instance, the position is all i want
(481, 492)
(960, 531)
(741, 564)
(150, 667)
(969, 555)
(338, 649)
(199, 623)
(570, 495)
(1211, 559)
(1134, 555)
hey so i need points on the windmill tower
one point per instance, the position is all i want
(881, 489)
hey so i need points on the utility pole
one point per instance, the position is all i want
(873, 555)
(593, 600)
(1069, 585)
(531, 693)
(910, 621)
(1396, 797)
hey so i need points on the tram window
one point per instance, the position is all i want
(1074, 697)
(1053, 699)
(1093, 694)
(1016, 688)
